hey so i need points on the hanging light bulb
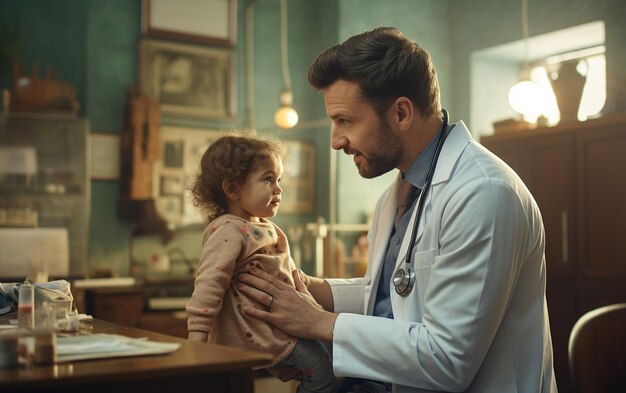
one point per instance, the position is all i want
(286, 116)
(526, 97)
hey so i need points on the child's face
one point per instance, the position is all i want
(259, 196)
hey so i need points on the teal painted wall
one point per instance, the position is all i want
(112, 32)
(58, 45)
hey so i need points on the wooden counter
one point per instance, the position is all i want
(193, 367)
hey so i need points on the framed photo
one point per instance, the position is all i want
(170, 207)
(207, 21)
(172, 184)
(182, 149)
(188, 80)
(173, 154)
(105, 156)
(299, 181)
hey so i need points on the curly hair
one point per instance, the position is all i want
(229, 158)
(386, 65)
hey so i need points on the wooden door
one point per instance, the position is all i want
(602, 207)
(551, 179)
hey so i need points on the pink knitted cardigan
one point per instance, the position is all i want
(230, 246)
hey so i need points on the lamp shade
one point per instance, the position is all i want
(528, 99)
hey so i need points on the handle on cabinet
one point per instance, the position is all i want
(564, 237)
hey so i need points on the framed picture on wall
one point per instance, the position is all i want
(172, 184)
(298, 184)
(105, 156)
(173, 181)
(206, 21)
(188, 80)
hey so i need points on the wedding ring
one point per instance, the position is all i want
(269, 305)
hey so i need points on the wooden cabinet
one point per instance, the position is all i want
(170, 322)
(119, 305)
(577, 174)
(602, 191)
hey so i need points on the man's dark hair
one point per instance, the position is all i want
(386, 65)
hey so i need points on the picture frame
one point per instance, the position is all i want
(298, 183)
(172, 184)
(205, 21)
(188, 80)
(170, 207)
(172, 180)
(105, 156)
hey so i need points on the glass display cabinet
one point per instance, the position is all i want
(44, 188)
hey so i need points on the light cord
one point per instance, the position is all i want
(525, 34)
(284, 45)
(250, 62)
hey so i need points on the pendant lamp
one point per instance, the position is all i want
(286, 116)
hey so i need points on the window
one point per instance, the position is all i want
(591, 65)
(494, 70)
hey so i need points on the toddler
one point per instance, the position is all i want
(238, 188)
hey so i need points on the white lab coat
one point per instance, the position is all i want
(476, 320)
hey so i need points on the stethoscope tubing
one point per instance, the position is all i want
(408, 258)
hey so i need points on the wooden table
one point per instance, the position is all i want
(193, 367)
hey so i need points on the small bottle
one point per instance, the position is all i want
(45, 351)
(8, 351)
(45, 347)
(26, 307)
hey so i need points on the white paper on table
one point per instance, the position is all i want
(97, 346)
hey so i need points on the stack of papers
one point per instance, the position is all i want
(97, 346)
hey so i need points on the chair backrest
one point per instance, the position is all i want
(597, 350)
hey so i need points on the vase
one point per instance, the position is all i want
(568, 89)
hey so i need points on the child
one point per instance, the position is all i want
(238, 187)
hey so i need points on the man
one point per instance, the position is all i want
(472, 317)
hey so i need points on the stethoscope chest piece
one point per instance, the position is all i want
(404, 280)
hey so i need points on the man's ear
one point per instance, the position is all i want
(230, 189)
(402, 112)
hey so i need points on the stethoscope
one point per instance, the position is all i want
(404, 278)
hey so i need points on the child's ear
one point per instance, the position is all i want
(230, 189)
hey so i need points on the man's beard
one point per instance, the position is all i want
(386, 157)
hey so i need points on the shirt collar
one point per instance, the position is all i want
(418, 170)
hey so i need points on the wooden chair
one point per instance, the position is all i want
(597, 350)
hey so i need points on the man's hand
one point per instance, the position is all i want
(318, 288)
(291, 310)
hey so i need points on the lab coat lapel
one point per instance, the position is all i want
(381, 239)
(451, 151)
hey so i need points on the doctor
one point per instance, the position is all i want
(454, 295)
